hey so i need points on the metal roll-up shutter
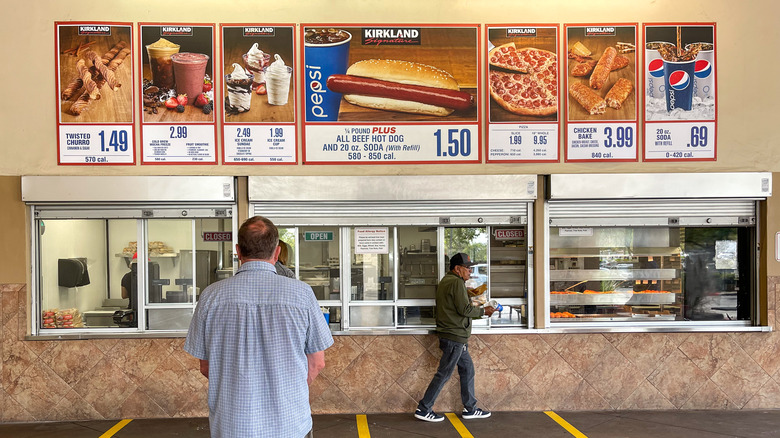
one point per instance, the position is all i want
(653, 212)
(393, 212)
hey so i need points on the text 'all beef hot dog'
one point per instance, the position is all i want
(401, 86)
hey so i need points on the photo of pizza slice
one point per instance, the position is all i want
(524, 81)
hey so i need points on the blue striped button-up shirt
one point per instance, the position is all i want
(255, 329)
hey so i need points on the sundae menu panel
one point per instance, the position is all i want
(94, 93)
(177, 86)
(259, 94)
(601, 98)
(384, 94)
(680, 92)
(522, 81)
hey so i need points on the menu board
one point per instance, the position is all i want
(258, 74)
(601, 106)
(177, 118)
(94, 93)
(383, 94)
(680, 92)
(522, 80)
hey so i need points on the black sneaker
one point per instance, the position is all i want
(431, 416)
(476, 413)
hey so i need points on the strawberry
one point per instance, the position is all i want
(182, 99)
(171, 103)
(207, 85)
(201, 100)
(260, 89)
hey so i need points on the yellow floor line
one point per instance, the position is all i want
(564, 424)
(362, 425)
(117, 427)
(459, 425)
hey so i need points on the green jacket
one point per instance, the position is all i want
(454, 310)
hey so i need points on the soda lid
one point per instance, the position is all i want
(494, 304)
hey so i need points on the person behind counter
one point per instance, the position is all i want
(261, 340)
(127, 282)
(281, 262)
(453, 327)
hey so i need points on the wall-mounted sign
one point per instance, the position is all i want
(217, 236)
(318, 236)
(372, 240)
(510, 234)
(94, 93)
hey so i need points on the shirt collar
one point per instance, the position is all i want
(256, 266)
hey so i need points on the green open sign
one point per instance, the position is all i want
(318, 236)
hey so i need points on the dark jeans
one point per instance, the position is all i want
(453, 353)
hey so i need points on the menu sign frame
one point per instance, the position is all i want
(513, 137)
(338, 132)
(260, 130)
(595, 131)
(95, 92)
(168, 135)
(676, 132)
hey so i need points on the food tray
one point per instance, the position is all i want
(611, 299)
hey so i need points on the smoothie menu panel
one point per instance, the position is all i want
(177, 65)
(390, 94)
(522, 82)
(94, 93)
(258, 73)
(680, 92)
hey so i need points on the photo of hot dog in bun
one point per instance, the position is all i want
(403, 86)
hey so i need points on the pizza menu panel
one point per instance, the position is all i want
(522, 81)
(385, 94)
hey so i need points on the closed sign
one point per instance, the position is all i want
(510, 234)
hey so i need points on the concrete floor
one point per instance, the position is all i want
(633, 424)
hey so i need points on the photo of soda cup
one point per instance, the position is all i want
(654, 69)
(678, 80)
(704, 72)
(326, 52)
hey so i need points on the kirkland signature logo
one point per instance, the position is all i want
(94, 30)
(259, 31)
(520, 31)
(599, 31)
(391, 36)
(176, 30)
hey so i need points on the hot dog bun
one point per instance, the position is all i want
(401, 72)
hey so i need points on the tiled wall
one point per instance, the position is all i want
(137, 378)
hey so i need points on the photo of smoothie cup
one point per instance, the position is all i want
(160, 62)
(254, 61)
(277, 81)
(326, 52)
(189, 69)
(239, 89)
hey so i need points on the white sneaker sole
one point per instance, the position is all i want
(430, 420)
(473, 417)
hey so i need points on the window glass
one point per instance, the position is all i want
(372, 263)
(319, 261)
(650, 274)
(287, 235)
(418, 262)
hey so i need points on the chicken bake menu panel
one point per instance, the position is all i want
(94, 93)
(383, 94)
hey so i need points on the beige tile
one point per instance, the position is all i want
(615, 377)
(37, 390)
(553, 379)
(740, 378)
(521, 352)
(428, 341)
(519, 398)
(16, 356)
(677, 378)
(394, 400)
(582, 352)
(106, 389)
(709, 351)
(139, 358)
(140, 405)
(334, 401)
(646, 350)
(319, 386)
(614, 338)
(646, 397)
(363, 341)
(417, 377)
(340, 355)
(492, 375)
(74, 407)
(395, 353)
(11, 411)
(8, 303)
(585, 398)
(172, 386)
(551, 339)
(364, 380)
(764, 348)
(72, 360)
(768, 397)
(709, 396)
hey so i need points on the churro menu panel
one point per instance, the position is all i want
(601, 99)
(680, 92)
(383, 94)
(258, 85)
(522, 81)
(94, 93)
(178, 125)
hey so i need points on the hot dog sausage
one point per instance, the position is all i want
(347, 84)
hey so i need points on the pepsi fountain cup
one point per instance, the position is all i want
(704, 71)
(678, 79)
(326, 52)
(654, 69)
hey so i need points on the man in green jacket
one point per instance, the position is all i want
(453, 326)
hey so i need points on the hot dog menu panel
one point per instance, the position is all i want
(522, 81)
(95, 93)
(386, 94)
(601, 105)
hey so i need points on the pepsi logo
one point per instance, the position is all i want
(702, 69)
(656, 68)
(679, 80)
